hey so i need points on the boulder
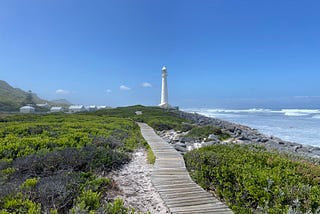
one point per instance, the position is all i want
(262, 140)
(213, 137)
(176, 137)
(209, 143)
(187, 139)
(181, 144)
(243, 138)
(180, 148)
(297, 147)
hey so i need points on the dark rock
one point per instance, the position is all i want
(182, 141)
(262, 140)
(230, 128)
(180, 148)
(187, 139)
(243, 138)
(297, 147)
(181, 144)
(315, 148)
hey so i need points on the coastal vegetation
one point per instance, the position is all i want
(251, 179)
(150, 155)
(54, 163)
(203, 132)
(157, 118)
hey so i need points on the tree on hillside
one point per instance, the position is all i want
(29, 99)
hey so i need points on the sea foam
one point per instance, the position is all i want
(296, 125)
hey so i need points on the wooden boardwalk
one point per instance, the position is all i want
(171, 179)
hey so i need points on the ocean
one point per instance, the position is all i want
(295, 125)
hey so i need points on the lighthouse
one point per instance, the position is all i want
(164, 89)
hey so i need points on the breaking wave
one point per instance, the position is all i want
(296, 125)
(286, 112)
(299, 112)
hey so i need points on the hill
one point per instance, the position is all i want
(11, 99)
(61, 102)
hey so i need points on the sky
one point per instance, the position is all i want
(218, 53)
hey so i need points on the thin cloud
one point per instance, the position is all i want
(62, 91)
(124, 88)
(109, 91)
(146, 85)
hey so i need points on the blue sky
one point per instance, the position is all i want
(219, 53)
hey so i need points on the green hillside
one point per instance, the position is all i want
(11, 99)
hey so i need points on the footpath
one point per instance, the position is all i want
(171, 179)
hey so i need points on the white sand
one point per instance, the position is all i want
(136, 188)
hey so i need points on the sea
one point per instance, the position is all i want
(295, 125)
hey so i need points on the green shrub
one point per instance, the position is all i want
(29, 184)
(20, 204)
(89, 200)
(53, 211)
(251, 179)
(43, 156)
(117, 207)
(25, 135)
(5, 173)
(150, 156)
(52, 160)
(204, 131)
(97, 184)
(161, 124)
(158, 118)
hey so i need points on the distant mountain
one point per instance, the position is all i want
(11, 99)
(61, 102)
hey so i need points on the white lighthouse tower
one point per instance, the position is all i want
(164, 90)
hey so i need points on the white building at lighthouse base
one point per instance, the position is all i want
(164, 105)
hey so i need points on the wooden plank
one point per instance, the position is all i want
(171, 179)
(199, 208)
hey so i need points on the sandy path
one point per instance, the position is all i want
(136, 188)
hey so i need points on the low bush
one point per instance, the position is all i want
(253, 180)
(158, 118)
(48, 163)
(150, 156)
(117, 207)
(204, 131)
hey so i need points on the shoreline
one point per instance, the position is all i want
(242, 134)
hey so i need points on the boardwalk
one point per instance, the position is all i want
(173, 182)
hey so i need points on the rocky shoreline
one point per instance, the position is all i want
(240, 134)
